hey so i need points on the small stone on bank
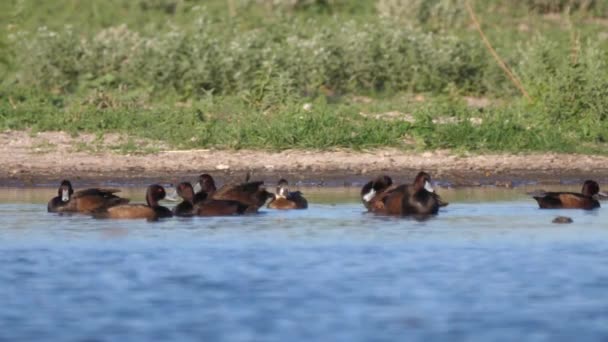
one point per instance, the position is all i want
(562, 219)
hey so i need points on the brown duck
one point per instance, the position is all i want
(186, 207)
(205, 207)
(251, 194)
(151, 211)
(418, 198)
(83, 201)
(205, 188)
(587, 199)
(284, 199)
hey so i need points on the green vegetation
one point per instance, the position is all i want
(310, 73)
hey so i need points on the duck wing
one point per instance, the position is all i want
(96, 192)
(239, 188)
(390, 200)
(250, 193)
(421, 202)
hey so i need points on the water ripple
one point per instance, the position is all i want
(478, 271)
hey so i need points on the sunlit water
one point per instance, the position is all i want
(491, 266)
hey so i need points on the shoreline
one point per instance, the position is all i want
(46, 158)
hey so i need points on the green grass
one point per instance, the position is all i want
(193, 74)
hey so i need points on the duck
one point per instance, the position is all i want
(151, 211)
(252, 194)
(586, 199)
(186, 206)
(373, 190)
(284, 199)
(418, 198)
(83, 201)
(206, 207)
(205, 187)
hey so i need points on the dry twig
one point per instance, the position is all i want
(499, 60)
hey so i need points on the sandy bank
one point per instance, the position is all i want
(44, 158)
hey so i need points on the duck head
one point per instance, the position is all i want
(185, 191)
(377, 185)
(154, 194)
(423, 181)
(282, 189)
(65, 190)
(205, 184)
(592, 189)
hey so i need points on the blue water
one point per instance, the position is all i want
(491, 271)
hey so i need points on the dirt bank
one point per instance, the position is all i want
(44, 158)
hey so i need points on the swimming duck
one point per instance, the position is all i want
(151, 211)
(186, 192)
(587, 199)
(83, 201)
(283, 199)
(251, 194)
(206, 207)
(418, 198)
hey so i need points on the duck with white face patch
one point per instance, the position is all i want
(284, 199)
(83, 201)
(374, 189)
(419, 198)
(59, 203)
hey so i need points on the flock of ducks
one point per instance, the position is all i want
(203, 199)
(379, 196)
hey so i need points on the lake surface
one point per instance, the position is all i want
(491, 266)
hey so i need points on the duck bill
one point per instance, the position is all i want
(428, 187)
(65, 195)
(602, 195)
